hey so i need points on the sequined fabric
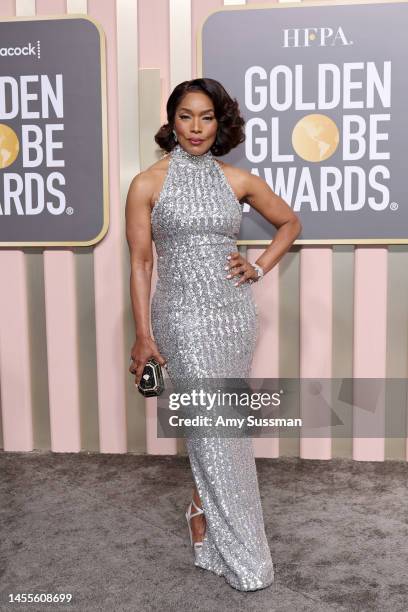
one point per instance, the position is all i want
(205, 326)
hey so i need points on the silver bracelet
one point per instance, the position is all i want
(260, 272)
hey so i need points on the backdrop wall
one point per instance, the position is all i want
(66, 326)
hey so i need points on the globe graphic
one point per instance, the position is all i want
(315, 137)
(9, 145)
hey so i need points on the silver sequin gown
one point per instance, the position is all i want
(205, 326)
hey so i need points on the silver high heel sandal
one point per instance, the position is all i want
(189, 514)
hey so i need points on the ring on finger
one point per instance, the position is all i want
(238, 270)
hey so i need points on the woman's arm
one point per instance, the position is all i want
(273, 208)
(251, 188)
(139, 238)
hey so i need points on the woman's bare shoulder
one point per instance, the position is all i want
(236, 176)
(233, 170)
(151, 178)
(156, 169)
(160, 164)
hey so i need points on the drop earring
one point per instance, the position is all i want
(175, 135)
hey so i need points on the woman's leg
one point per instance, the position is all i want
(235, 545)
(198, 523)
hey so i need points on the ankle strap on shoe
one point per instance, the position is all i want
(199, 510)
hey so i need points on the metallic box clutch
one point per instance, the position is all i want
(151, 382)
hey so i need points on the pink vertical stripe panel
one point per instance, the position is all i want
(15, 375)
(369, 350)
(266, 359)
(62, 350)
(61, 326)
(199, 11)
(154, 42)
(7, 8)
(50, 7)
(315, 348)
(108, 262)
(154, 52)
(14, 354)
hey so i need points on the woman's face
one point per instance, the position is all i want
(195, 123)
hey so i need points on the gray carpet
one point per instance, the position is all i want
(110, 529)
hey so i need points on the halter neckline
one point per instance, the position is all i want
(194, 160)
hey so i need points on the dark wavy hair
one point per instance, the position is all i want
(230, 131)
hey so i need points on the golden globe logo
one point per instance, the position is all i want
(36, 102)
(359, 92)
(9, 146)
(54, 182)
(319, 37)
(315, 137)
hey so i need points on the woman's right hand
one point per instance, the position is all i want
(142, 350)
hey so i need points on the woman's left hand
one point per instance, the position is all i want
(237, 264)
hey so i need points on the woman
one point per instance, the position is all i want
(204, 319)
